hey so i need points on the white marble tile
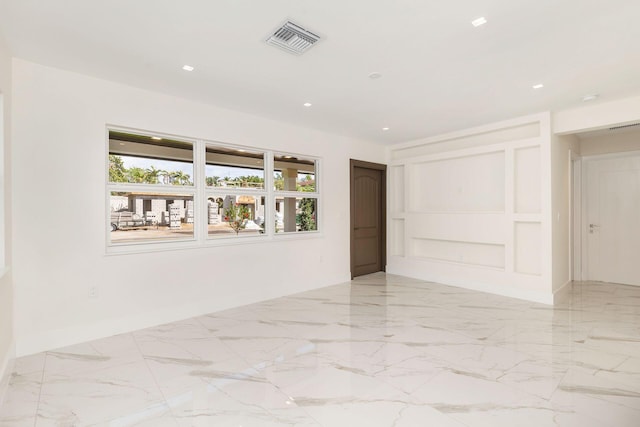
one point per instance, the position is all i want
(86, 398)
(534, 377)
(377, 413)
(571, 407)
(185, 342)
(175, 377)
(237, 402)
(426, 416)
(30, 364)
(509, 417)
(268, 350)
(603, 386)
(93, 355)
(381, 350)
(456, 391)
(158, 415)
(21, 402)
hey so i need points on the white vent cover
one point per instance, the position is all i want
(293, 38)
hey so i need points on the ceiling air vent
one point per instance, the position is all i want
(293, 38)
(624, 126)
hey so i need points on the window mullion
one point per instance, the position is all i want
(270, 208)
(201, 220)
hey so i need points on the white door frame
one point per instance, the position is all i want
(575, 212)
(580, 199)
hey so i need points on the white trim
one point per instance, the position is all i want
(517, 293)
(4, 112)
(563, 292)
(200, 200)
(584, 254)
(576, 218)
(611, 155)
(520, 121)
(453, 154)
(6, 368)
(509, 209)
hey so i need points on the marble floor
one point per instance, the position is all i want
(379, 351)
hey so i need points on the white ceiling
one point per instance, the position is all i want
(439, 73)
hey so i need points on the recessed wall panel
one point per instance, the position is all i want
(527, 189)
(465, 184)
(458, 227)
(472, 253)
(397, 189)
(397, 237)
(527, 245)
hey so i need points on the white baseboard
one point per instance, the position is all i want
(6, 368)
(563, 292)
(518, 293)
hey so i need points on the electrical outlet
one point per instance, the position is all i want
(93, 292)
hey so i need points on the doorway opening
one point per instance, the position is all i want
(605, 178)
(609, 226)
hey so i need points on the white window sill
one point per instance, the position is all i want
(146, 247)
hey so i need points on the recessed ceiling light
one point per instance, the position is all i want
(479, 21)
(375, 75)
(288, 157)
(188, 68)
(122, 143)
(307, 104)
(591, 97)
(385, 129)
(157, 138)
(240, 150)
(538, 86)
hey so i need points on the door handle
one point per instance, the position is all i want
(592, 227)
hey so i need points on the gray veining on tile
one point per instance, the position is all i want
(381, 350)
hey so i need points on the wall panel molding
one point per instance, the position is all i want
(477, 208)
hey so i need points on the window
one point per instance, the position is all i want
(151, 189)
(139, 159)
(235, 214)
(294, 214)
(235, 168)
(236, 192)
(170, 190)
(293, 175)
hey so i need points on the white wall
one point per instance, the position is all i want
(597, 115)
(562, 148)
(611, 142)
(6, 286)
(59, 159)
(473, 209)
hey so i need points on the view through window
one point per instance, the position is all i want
(154, 190)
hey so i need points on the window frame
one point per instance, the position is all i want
(201, 194)
(4, 108)
(298, 194)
